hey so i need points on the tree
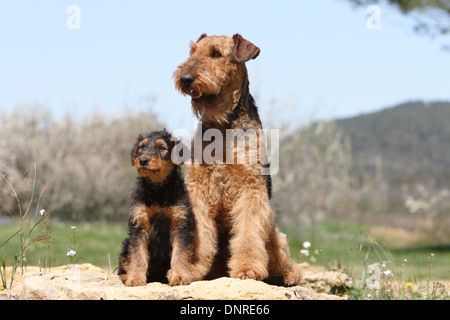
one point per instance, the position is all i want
(83, 164)
(313, 183)
(432, 17)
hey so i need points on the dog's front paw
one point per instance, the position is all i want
(178, 279)
(135, 281)
(293, 277)
(247, 274)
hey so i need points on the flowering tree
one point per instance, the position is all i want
(314, 177)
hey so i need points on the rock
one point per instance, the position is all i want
(88, 282)
(324, 281)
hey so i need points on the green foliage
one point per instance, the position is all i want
(413, 140)
(95, 240)
(431, 16)
(26, 225)
(407, 273)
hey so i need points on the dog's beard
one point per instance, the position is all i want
(210, 109)
(205, 98)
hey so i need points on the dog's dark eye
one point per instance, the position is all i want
(216, 54)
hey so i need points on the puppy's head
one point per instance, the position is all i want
(151, 155)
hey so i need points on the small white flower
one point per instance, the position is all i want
(73, 227)
(71, 253)
(387, 273)
(42, 211)
(306, 244)
(305, 252)
(405, 260)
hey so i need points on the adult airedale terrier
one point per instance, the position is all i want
(231, 199)
(161, 242)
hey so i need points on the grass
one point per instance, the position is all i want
(352, 247)
(416, 271)
(349, 248)
(96, 241)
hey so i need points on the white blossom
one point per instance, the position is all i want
(71, 253)
(387, 273)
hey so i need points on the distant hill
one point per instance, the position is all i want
(412, 139)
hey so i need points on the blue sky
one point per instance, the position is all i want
(318, 56)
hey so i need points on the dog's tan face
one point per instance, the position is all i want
(214, 73)
(151, 156)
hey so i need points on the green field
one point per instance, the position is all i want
(349, 248)
(96, 241)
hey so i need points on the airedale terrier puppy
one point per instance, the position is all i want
(161, 241)
(230, 199)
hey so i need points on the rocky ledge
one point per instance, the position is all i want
(88, 282)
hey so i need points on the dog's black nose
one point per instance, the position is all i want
(144, 161)
(187, 79)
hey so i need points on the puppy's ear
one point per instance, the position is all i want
(141, 141)
(244, 50)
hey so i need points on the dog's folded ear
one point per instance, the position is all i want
(244, 50)
(141, 141)
(204, 35)
(194, 44)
